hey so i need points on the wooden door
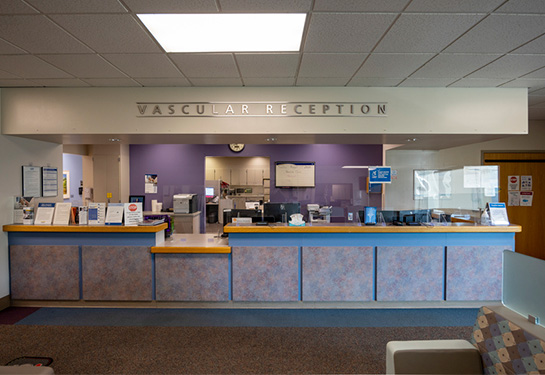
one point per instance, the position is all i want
(531, 241)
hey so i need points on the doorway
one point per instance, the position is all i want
(512, 167)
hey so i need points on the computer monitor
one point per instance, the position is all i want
(137, 198)
(209, 192)
(277, 210)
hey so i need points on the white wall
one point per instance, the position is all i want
(14, 153)
(399, 194)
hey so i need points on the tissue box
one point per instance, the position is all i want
(296, 225)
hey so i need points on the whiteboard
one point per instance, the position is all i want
(295, 174)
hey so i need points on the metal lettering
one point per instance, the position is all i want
(269, 109)
(365, 109)
(295, 109)
(312, 109)
(156, 109)
(171, 109)
(340, 106)
(381, 109)
(201, 111)
(283, 109)
(245, 108)
(230, 109)
(325, 108)
(142, 109)
(184, 109)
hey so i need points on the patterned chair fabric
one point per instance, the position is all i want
(505, 347)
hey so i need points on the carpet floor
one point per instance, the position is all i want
(212, 350)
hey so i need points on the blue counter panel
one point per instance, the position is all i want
(81, 238)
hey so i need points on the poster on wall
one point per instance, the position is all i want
(150, 183)
(32, 181)
(526, 183)
(526, 198)
(50, 187)
(513, 183)
(514, 198)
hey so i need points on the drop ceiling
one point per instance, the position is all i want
(352, 43)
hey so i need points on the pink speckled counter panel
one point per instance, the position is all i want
(474, 272)
(265, 273)
(44, 272)
(410, 273)
(338, 273)
(116, 273)
(192, 277)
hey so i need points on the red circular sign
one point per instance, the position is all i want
(132, 207)
(513, 179)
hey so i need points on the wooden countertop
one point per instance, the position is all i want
(353, 228)
(207, 243)
(85, 228)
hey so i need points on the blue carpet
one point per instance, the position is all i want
(252, 317)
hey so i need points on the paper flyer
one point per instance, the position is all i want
(133, 213)
(526, 198)
(62, 213)
(44, 213)
(514, 198)
(114, 214)
(526, 183)
(513, 183)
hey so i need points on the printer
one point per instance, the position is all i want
(319, 214)
(184, 203)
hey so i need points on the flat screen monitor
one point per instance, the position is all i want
(277, 210)
(137, 198)
(209, 192)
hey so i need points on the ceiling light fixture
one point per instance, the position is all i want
(355, 166)
(227, 32)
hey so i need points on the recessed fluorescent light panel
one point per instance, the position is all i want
(227, 32)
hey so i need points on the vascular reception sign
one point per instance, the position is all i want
(262, 109)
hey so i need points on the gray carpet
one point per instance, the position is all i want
(212, 350)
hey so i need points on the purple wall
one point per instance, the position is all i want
(180, 169)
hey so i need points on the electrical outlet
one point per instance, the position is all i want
(350, 216)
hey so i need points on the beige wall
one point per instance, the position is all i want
(14, 153)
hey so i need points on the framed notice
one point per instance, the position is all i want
(32, 181)
(50, 182)
(292, 174)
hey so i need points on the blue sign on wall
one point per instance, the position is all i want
(380, 175)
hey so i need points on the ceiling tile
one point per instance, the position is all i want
(111, 82)
(27, 66)
(344, 32)
(512, 66)
(479, 82)
(109, 33)
(449, 6)
(78, 6)
(63, 82)
(426, 82)
(330, 65)
(172, 6)
(540, 92)
(530, 83)
(268, 65)
(7, 48)
(163, 82)
(415, 33)
(360, 6)
(374, 82)
(84, 66)
(325, 81)
(540, 73)
(17, 83)
(37, 34)
(144, 65)
(248, 6)
(269, 82)
(499, 34)
(220, 82)
(206, 65)
(523, 6)
(15, 7)
(453, 65)
(392, 65)
(535, 46)
(6, 75)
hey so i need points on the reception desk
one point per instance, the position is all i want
(292, 266)
(347, 262)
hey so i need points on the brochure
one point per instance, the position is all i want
(498, 214)
(114, 214)
(92, 216)
(19, 204)
(62, 213)
(101, 213)
(44, 213)
(133, 213)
